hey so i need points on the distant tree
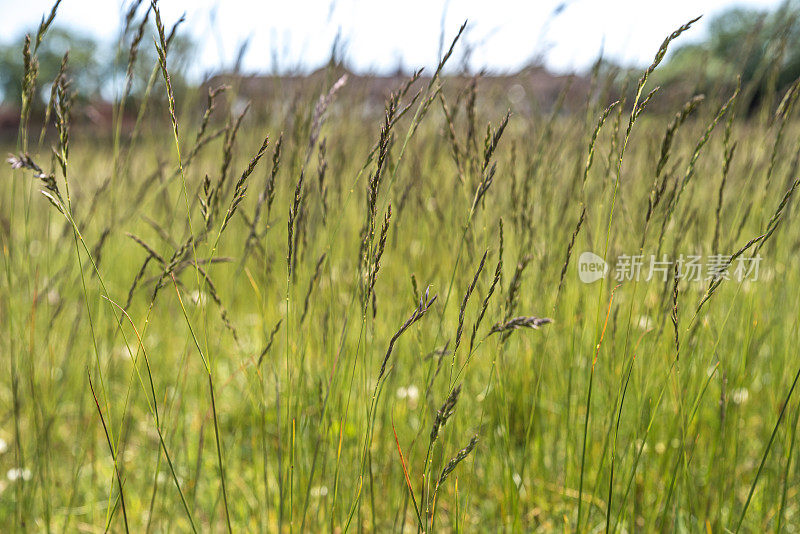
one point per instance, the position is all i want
(761, 46)
(86, 67)
(97, 71)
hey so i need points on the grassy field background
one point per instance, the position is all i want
(343, 328)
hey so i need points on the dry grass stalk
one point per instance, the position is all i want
(519, 322)
(444, 413)
(422, 308)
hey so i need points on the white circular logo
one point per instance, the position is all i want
(591, 267)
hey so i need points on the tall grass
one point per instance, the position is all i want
(286, 350)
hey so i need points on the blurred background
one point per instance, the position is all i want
(533, 47)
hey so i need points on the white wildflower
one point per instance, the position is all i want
(409, 394)
(319, 491)
(740, 395)
(199, 297)
(645, 322)
(19, 473)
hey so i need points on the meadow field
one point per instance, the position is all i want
(450, 315)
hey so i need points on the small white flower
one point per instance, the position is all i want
(644, 322)
(122, 352)
(319, 491)
(53, 297)
(18, 473)
(3, 446)
(660, 447)
(409, 394)
(740, 395)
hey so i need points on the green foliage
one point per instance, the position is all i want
(763, 47)
(97, 71)
(87, 67)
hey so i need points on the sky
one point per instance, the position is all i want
(378, 35)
